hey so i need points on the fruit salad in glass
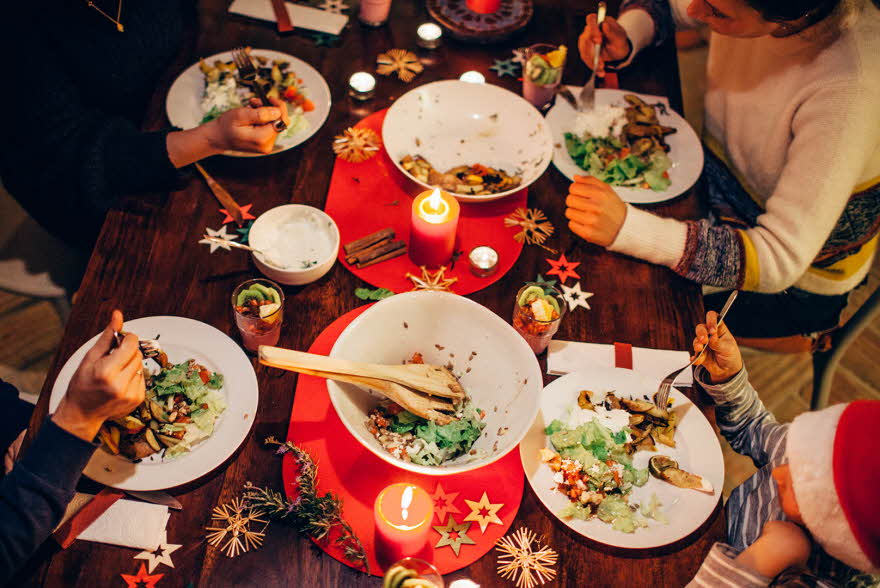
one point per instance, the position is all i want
(537, 314)
(542, 73)
(259, 309)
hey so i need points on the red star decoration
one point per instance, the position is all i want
(142, 579)
(564, 268)
(443, 502)
(245, 214)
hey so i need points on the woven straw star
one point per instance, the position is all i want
(436, 281)
(535, 226)
(233, 522)
(356, 144)
(523, 562)
(398, 61)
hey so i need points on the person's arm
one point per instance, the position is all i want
(648, 23)
(34, 495)
(721, 568)
(824, 161)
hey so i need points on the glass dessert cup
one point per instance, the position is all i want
(540, 79)
(418, 569)
(537, 329)
(258, 321)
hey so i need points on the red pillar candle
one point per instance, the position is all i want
(484, 6)
(403, 514)
(432, 232)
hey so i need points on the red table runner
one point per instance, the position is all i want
(372, 195)
(357, 476)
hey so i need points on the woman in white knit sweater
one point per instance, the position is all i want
(792, 160)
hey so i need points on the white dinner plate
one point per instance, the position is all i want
(181, 339)
(697, 451)
(183, 103)
(685, 149)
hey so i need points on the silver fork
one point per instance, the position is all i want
(662, 395)
(587, 97)
(247, 72)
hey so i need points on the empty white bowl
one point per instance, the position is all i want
(299, 243)
(495, 366)
(452, 123)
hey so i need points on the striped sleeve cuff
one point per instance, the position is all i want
(650, 237)
(726, 393)
(720, 568)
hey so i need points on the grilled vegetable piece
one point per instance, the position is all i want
(666, 469)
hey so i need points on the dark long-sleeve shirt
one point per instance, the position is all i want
(35, 494)
(71, 139)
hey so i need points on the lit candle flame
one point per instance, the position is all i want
(405, 501)
(434, 208)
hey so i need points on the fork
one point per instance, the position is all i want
(662, 395)
(587, 97)
(247, 73)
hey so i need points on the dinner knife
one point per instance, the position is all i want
(223, 196)
(282, 18)
(156, 497)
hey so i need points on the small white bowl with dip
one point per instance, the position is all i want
(298, 244)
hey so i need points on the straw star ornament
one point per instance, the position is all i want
(483, 512)
(436, 281)
(535, 226)
(522, 559)
(356, 144)
(232, 528)
(398, 61)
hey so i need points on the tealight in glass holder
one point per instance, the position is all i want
(429, 35)
(361, 85)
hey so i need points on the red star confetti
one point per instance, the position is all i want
(443, 502)
(245, 214)
(142, 579)
(483, 512)
(563, 268)
(453, 535)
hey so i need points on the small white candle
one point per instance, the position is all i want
(429, 35)
(473, 77)
(361, 85)
(483, 261)
(463, 583)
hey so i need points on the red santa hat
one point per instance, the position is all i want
(835, 473)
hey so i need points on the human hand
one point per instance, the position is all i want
(616, 44)
(782, 545)
(722, 359)
(109, 382)
(248, 128)
(594, 210)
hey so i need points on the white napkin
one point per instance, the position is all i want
(128, 523)
(564, 357)
(302, 17)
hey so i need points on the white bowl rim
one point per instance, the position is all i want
(436, 470)
(303, 207)
(467, 197)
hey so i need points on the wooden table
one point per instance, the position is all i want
(147, 263)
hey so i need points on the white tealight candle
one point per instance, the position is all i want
(483, 261)
(361, 85)
(429, 35)
(473, 77)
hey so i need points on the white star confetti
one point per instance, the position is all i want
(519, 56)
(161, 555)
(575, 296)
(334, 6)
(221, 234)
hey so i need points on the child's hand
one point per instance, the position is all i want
(722, 359)
(781, 545)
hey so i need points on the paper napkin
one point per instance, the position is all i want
(564, 357)
(128, 523)
(302, 17)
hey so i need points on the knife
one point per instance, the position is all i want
(223, 196)
(282, 18)
(156, 497)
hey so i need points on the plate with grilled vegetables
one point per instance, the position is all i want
(207, 89)
(190, 421)
(616, 468)
(636, 143)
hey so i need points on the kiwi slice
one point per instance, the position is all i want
(247, 295)
(530, 294)
(553, 303)
(395, 576)
(268, 292)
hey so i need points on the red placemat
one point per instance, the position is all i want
(347, 468)
(372, 195)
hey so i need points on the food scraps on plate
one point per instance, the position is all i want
(473, 180)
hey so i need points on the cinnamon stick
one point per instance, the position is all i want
(375, 251)
(371, 239)
(386, 257)
(356, 256)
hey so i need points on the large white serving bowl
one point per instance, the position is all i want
(495, 366)
(453, 123)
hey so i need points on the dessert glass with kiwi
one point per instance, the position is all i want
(537, 313)
(412, 572)
(258, 306)
(542, 73)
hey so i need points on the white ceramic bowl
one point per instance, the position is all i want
(453, 123)
(316, 229)
(495, 365)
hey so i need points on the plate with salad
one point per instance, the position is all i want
(190, 421)
(207, 89)
(615, 468)
(634, 142)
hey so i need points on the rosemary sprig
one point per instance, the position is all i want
(309, 513)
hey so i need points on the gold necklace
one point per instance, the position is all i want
(116, 20)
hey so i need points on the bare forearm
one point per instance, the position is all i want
(186, 147)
